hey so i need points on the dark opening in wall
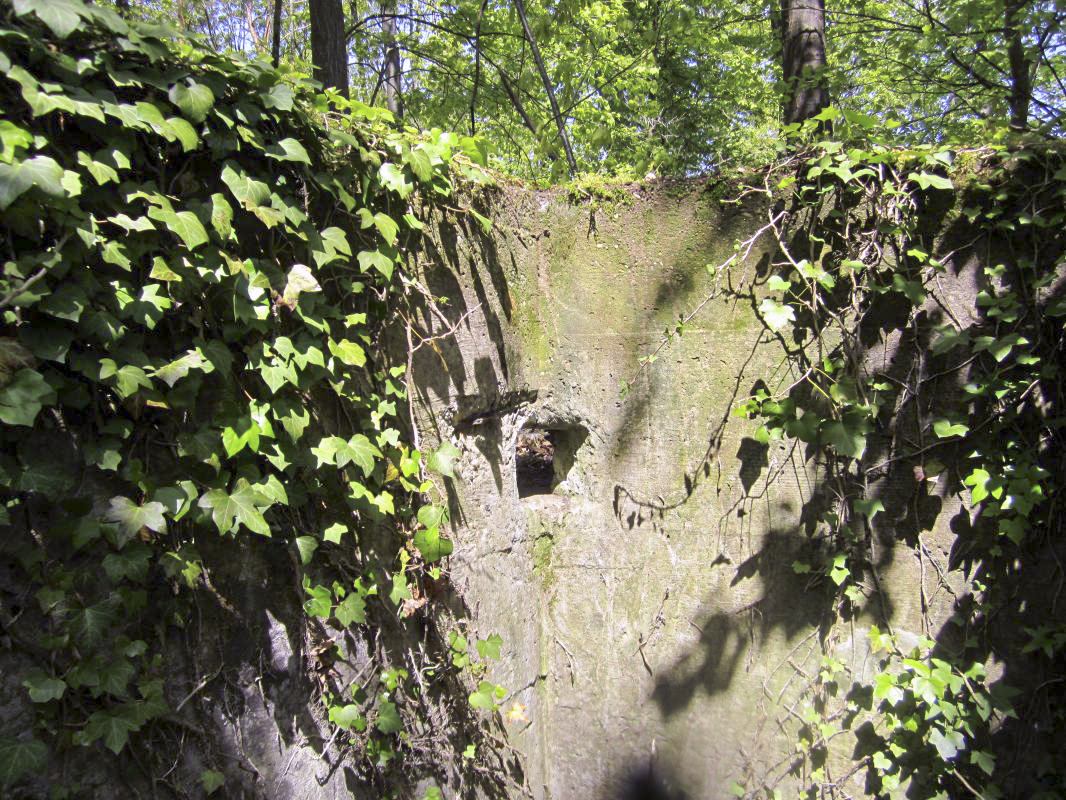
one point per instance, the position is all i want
(544, 457)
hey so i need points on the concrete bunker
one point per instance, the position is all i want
(545, 456)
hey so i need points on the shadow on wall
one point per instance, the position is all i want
(794, 601)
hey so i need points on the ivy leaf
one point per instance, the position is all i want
(778, 284)
(385, 224)
(393, 178)
(63, 17)
(39, 172)
(177, 369)
(12, 139)
(306, 546)
(244, 507)
(23, 397)
(133, 517)
(43, 687)
(299, 280)
(432, 516)
(348, 352)
(983, 759)
(184, 132)
(335, 450)
(211, 780)
(775, 314)
(347, 717)
(280, 97)
(927, 179)
(846, 439)
(114, 727)
(868, 506)
(335, 532)
(485, 696)
(249, 192)
(187, 227)
(288, 149)
(490, 647)
(388, 719)
(375, 259)
(90, 624)
(20, 757)
(945, 429)
(948, 743)
(431, 545)
(194, 100)
(443, 459)
(129, 564)
(352, 609)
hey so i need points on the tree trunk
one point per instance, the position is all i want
(393, 86)
(329, 47)
(275, 47)
(1021, 89)
(803, 57)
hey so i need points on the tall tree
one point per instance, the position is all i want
(391, 67)
(275, 47)
(803, 58)
(329, 46)
(1021, 84)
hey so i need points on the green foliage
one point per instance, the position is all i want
(201, 260)
(931, 721)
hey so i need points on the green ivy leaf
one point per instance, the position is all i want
(335, 450)
(375, 259)
(194, 100)
(280, 97)
(43, 688)
(335, 532)
(846, 438)
(347, 717)
(212, 780)
(114, 726)
(288, 149)
(63, 17)
(392, 177)
(244, 507)
(484, 698)
(306, 546)
(249, 192)
(946, 429)
(39, 172)
(775, 314)
(351, 610)
(23, 398)
(132, 517)
(89, 625)
(299, 280)
(432, 545)
(388, 719)
(442, 460)
(867, 506)
(19, 757)
(490, 647)
(928, 179)
(348, 352)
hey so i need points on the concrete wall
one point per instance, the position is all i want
(648, 606)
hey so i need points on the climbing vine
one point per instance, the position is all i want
(917, 295)
(201, 259)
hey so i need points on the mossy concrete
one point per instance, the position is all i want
(649, 609)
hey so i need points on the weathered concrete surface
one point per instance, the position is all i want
(648, 606)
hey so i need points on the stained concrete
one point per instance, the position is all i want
(650, 612)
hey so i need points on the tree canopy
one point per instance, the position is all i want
(675, 86)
